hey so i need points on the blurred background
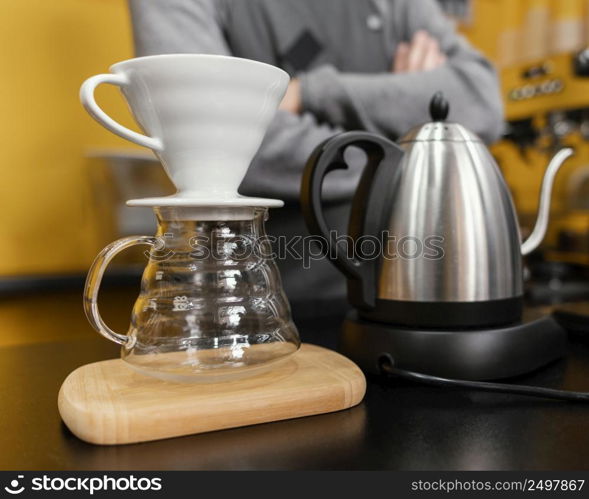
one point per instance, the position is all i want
(65, 179)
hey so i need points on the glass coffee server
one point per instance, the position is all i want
(211, 304)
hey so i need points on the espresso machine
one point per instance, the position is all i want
(547, 108)
(443, 297)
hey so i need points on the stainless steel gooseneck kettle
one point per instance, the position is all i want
(443, 218)
(434, 246)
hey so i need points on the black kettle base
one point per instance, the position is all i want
(479, 354)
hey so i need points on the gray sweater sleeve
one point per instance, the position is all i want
(194, 26)
(177, 26)
(390, 103)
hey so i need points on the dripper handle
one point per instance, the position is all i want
(90, 104)
(95, 278)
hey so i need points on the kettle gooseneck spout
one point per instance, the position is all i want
(537, 235)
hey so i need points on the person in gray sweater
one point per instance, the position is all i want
(355, 65)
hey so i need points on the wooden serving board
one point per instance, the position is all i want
(109, 403)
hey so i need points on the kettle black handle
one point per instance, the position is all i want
(369, 207)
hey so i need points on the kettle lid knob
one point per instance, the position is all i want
(439, 107)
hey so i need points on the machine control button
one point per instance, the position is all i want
(532, 90)
(581, 63)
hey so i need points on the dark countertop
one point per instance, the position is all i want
(398, 426)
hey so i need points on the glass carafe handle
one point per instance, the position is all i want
(95, 278)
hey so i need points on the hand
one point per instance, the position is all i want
(292, 99)
(422, 54)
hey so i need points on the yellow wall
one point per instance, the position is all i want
(49, 218)
(512, 32)
(483, 35)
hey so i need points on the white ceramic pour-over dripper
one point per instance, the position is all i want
(204, 115)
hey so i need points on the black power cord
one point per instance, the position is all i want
(387, 366)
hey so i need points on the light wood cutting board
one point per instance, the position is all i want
(109, 403)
